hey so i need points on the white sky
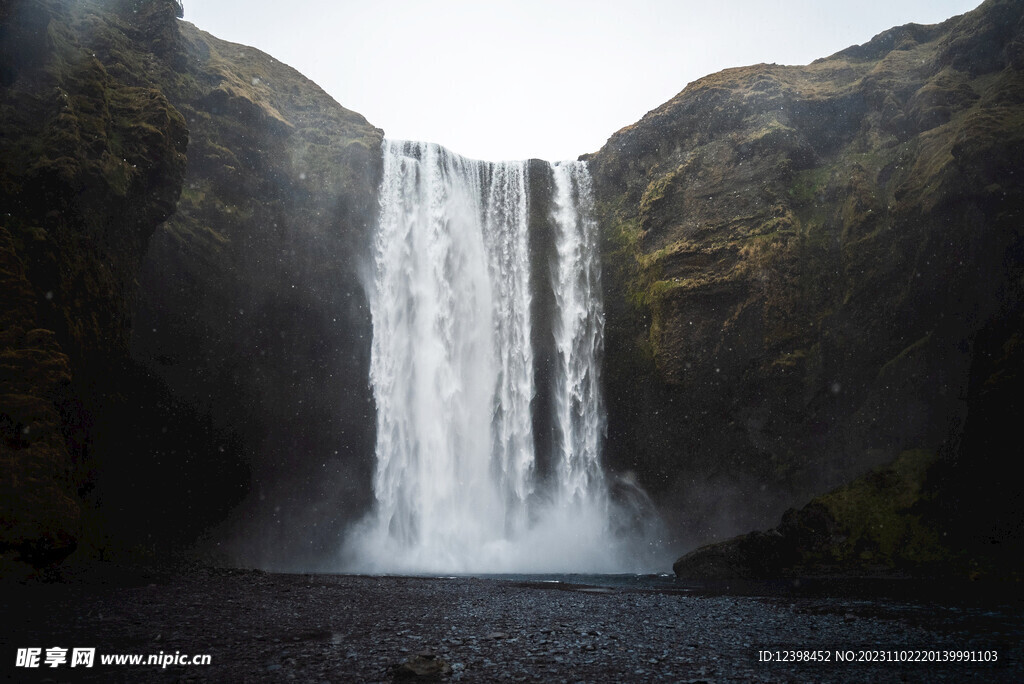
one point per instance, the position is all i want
(538, 78)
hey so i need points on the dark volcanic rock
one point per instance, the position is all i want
(252, 303)
(882, 524)
(91, 161)
(309, 628)
(422, 667)
(799, 263)
(811, 532)
(134, 417)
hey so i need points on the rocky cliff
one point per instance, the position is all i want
(154, 374)
(91, 160)
(252, 308)
(810, 270)
(813, 282)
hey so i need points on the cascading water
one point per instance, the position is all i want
(457, 484)
(579, 340)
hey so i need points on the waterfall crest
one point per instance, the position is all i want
(459, 485)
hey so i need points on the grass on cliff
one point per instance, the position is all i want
(880, 514)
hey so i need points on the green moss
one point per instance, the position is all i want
(655, 190)
(767, 138)
(217, 154)
(879, 514)
(621, 265)
(117, 174)
(808, 185)
(657, 292)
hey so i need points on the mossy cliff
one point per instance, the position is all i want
(808, 270)
(252, 308)
(154, 373)
(91, 161)
(813, 283)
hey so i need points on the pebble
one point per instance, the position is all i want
(365, 628)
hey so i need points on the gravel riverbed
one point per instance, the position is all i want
(259, 626)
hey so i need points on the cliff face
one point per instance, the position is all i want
(154, 375)
(91, 160)
(809, 272)
(804, 264)
(252, 307)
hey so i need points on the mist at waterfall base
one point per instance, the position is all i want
(461, 483)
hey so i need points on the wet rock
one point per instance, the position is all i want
(873, 523)
(787, 301)
(423, 666)
(93, 160)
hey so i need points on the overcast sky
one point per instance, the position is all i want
(538, 78)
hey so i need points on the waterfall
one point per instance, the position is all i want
(579, 340)
(457, 486)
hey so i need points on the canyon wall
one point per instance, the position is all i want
(91, 161)
(811, 270)
(158, 374)
(812, 279)
(252, 308)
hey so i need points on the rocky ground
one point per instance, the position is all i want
(314, 628)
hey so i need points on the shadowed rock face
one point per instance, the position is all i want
(252, 307)
(798, 262)
(153, 374)
(882, 523)
(91, 160)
